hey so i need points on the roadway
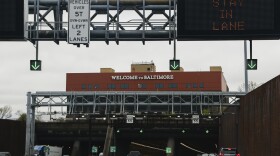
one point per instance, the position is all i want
(149, 136)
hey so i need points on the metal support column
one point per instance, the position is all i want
(245, 66)
(107, 24)
(118, 22)
(28, 143)
(32, 123)
(172, 109)
(144, 22)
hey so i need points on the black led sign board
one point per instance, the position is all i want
(12, 20)
(228, 19)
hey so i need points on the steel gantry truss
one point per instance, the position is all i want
(152, 20)
(136, 102)
(78, 104)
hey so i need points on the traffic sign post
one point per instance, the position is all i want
(94, 149)
(195, 119)
(168, 150)
(174, 64)
(35, 65)
(129, 119)
(252, 64)
(78, 22)
(113, 149)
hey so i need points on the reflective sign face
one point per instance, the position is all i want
(252, 64)
(78, 22)
(35, 65)
(228, 19)
(174, 64)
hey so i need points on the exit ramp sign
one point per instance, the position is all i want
(35, 65)
(252, 64)
(113, 149)
(174, 64)
(94, 149)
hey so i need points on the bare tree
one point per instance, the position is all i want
(251, 86)
(21, 116)
(5, 112)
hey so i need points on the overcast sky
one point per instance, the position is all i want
(16, 79)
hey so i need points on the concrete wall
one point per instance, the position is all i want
(259, 121)
(12, 137)
(228, 130)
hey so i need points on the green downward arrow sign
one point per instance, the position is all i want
(252, 64)
(35, 65)
(174, 64)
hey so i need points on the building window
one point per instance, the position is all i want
(172, 85)
(84, 87)
(194, 85)
(188, 85)
(201, 85)
(159, 85)
(96, 86)
(142, 85)
(111, 86)
(90, 87)
(124, 86)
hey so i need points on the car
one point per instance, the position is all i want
(5, 154)
(134, 153)
(228, 152)
(210, 154)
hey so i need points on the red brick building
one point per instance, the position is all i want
(137, 80)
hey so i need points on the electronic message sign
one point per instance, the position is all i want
(13, 14)
(228, 19)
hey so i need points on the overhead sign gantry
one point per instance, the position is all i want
(143, 26)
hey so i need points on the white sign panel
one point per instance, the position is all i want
(195, 119)
(129, 118)
(78, 21)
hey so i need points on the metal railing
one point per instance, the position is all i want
(162, 30)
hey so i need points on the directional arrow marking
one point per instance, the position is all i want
(35, 67)
(174, 66)
(252, 65)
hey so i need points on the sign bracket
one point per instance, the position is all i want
(174, 26)
(36, 19)
(35, 65)
(252, 64)
(251, 47)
